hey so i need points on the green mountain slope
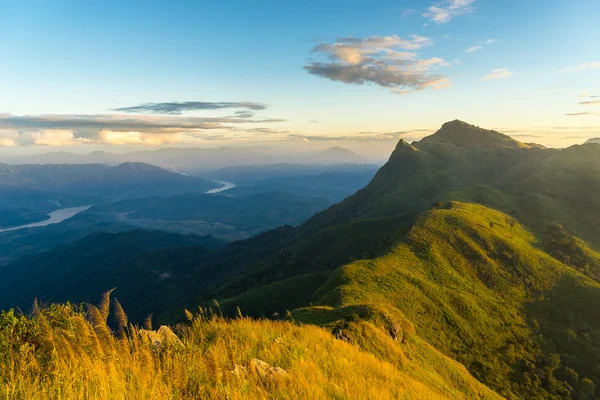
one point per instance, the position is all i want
(478, 288)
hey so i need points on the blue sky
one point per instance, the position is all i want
(382, 70)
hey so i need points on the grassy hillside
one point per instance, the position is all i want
(61, 352)
(478, 288)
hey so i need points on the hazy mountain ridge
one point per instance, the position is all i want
(30, 192)
(219, 215)
(194, 159)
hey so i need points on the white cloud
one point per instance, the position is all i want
(580, 67)
(480, 44)
(442, 13)
(65, 130)
(8, 137)
(48, 137)
(582, 114)
(498, 74)
(6, 142)
(381, 61)
(590, 103)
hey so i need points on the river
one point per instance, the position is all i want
(66, 213)
(55, 217)
(226, 186)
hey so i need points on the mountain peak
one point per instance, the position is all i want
(138, 166)
(462, 134)
(403, 151)
(403, 145)
(593, 140)
(337, 155)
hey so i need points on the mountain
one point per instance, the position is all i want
(593, 140)
(252, 173)
(187, 159)
(224, 216)
(119, 259)
(485, 245)
(337, 155)
(136, 180)
(195, 159)
(472, 280)
(27, 241)
(331, 186)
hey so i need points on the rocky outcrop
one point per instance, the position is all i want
(164, 337)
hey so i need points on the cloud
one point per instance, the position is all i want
(266, 131)
(580, 67)
(177, 108)
(381, 61)
(64, 130)
(473, 49)
(8, 137)
(498, 74)
(443, 12)
(582, 114)
(49, 137)
(366, 136)
(590, 103)
(243, 114)
(480, 44)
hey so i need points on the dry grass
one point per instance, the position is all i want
(72, 355)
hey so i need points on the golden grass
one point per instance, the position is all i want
(75, 356)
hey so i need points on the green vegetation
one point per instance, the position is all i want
(126, 260)
(476, 287)
(227, 217)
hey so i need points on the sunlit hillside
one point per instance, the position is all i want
(64, 352)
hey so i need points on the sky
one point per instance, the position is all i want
(86, 76)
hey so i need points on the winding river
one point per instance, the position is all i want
(226, 186)
(55, 217)
(63, 214)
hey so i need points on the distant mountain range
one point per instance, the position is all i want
(192, 159)
(29, 192)
(593, 140)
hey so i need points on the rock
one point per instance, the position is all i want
(396, 332)
(339, 334)
(163, 337)
(239, 371)
(266, 372)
